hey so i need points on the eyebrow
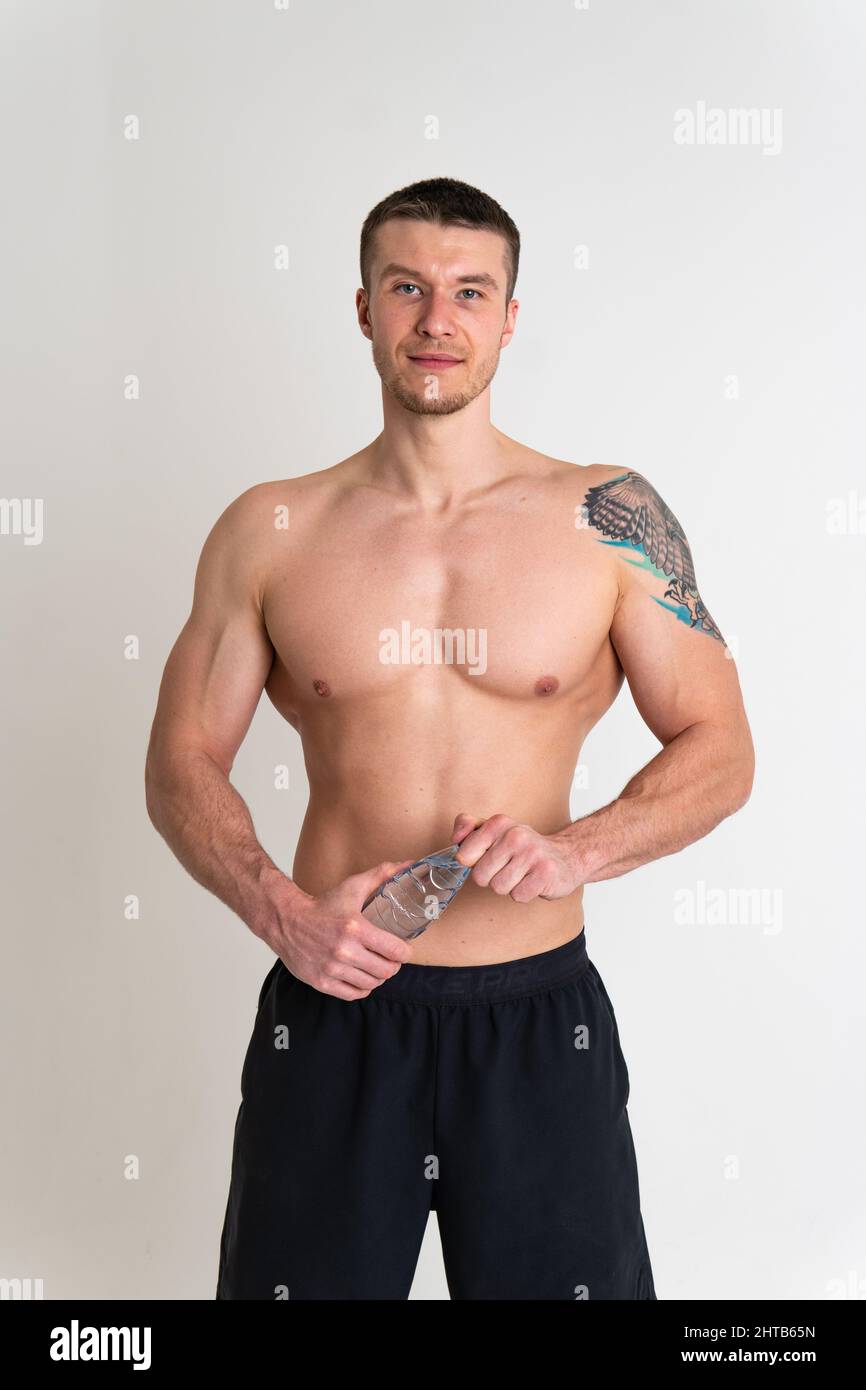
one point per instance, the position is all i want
(482, 278)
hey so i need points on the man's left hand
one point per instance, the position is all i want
(514, 859)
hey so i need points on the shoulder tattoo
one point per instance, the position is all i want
(631, 512)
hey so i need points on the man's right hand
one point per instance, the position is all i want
(327, 943)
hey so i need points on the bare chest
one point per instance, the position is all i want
(514, 606)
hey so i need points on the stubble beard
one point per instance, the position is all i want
(421, 400)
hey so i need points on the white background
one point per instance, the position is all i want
(745, 1040)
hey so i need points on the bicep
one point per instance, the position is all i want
(673, 654)
(218, 666)
(678, 675)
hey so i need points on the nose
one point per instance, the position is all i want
(435, 318)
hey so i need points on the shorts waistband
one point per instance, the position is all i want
(468, 984)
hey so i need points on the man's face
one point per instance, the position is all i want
(436, 294)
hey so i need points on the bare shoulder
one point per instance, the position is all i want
(574, 478)
(563, 486)
(621, 510)
(571, 483)
(265, 503)
(624, 506)
(618, 502)
(243, 528)
(262, 526)
(238, 550)
(258, 516)
(626, 513)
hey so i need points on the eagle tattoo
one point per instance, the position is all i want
(630, 510)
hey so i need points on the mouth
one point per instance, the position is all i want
(435, 360)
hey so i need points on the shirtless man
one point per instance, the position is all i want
(476, 1069)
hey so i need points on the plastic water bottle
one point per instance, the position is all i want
(418, 895)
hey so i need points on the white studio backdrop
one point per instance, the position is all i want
(691, 309)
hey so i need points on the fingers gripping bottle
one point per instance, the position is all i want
(418, 895)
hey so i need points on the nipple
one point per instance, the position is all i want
(322, 688)
(546, 685)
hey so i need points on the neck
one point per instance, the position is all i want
(438, 459)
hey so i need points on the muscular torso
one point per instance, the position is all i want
(394, 749)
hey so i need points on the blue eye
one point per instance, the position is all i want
(471, 291)
(405, 284)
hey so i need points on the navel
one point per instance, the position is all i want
(322, 688)
(546, 685)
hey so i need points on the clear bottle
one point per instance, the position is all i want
(418, 895)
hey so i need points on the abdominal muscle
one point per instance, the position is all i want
(393, 804)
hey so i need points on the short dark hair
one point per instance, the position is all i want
(450, 203)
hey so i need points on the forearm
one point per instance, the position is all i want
(701, 777)
(208, 826)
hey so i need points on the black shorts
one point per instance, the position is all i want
(492, 1094)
